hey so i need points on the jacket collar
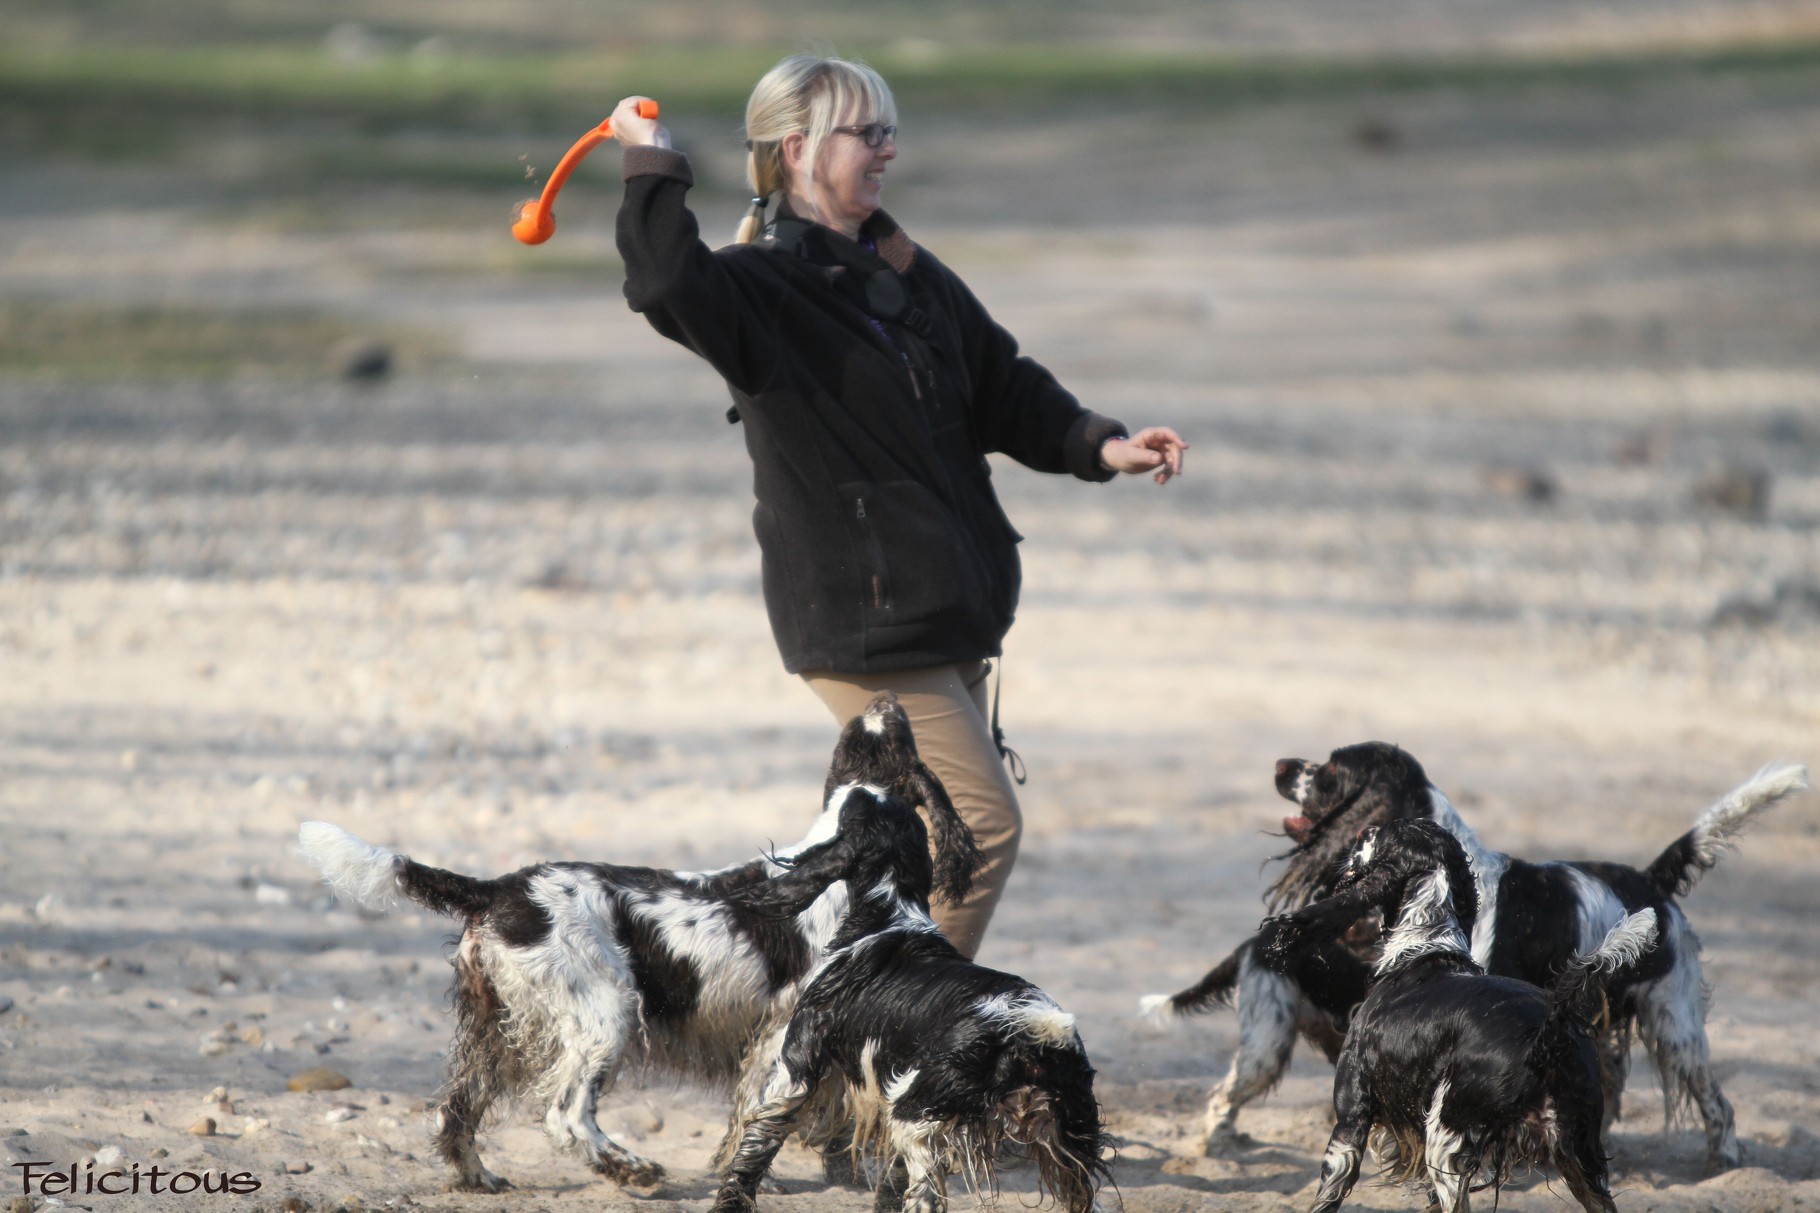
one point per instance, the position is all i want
(871, 279)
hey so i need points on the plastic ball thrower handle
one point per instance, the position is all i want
(536, 222)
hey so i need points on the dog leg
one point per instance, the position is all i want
(1614, 1072)
(1346, 1145)
(1579, 1155)
(1672, 1024)
(457, 1121)
(571, 1124)
(1267, 1028)
(926, 1189)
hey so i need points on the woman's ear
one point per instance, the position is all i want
(792, 148)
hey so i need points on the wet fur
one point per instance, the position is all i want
(1537, 917)
(1456, 1075)
(565, 973)
(943, 1062)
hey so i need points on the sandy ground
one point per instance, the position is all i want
(510, 613)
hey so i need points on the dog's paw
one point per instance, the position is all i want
(638, 1174)
(1226, 1142)
(1719, 1162)
(483, 1181)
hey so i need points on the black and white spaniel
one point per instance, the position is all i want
(1462, 1075)
(942, 1063)
(1535, 918)
(566, 971)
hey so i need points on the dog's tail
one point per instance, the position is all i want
(1579, 992)
(1218, 988)
(1689, 857)
(373, 877)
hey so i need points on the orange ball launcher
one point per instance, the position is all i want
(536, 222)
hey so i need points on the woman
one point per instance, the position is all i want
(871, 384)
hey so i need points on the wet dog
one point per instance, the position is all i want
(1456, 1073)
(942, 1062)
(567, 972)
(1535, 917)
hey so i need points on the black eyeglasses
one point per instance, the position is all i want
(874, 133)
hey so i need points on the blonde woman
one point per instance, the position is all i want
(871, 385)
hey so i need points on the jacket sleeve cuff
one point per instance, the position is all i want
(1082, 445)
(647, 161)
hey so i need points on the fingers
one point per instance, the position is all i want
(1167, 447)
(633, 129)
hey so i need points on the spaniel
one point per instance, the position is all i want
(942, 1063)
(565, 972)
(1458, 1075)
(1535, 917)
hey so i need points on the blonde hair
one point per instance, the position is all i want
(807, 95)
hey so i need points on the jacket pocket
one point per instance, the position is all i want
(914, 559)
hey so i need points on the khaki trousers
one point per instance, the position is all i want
(951, 718)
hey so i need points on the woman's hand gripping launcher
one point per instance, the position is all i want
(536, 222)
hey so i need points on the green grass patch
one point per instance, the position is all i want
(147, 88)
(105, 340)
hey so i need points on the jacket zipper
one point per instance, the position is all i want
(880, 599)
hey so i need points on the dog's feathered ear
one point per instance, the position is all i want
(1322, 921)
(805, 877)
(957, 853)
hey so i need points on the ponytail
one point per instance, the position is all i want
(765, 173)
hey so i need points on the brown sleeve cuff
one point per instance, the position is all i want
(1082, 446)
(649, 161)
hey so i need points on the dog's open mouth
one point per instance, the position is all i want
(1298, 828)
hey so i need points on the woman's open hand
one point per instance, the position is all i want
(634, 131)
(1155, 449)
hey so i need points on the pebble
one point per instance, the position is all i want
(202, 1128)
(271, 895)
(218, 1096)
(295, 1168)
(109, 1156)
(340, 1112)
(318, 1078)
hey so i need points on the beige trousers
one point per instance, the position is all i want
(950, 716)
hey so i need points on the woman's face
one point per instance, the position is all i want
(850, 180)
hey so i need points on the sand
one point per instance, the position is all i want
(1454, 406)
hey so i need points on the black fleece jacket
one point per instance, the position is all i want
(883, 545)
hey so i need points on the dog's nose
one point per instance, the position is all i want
(1284, 766)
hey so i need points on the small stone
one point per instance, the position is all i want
(1735, 489)
(160, 1152)
(1521, 483)
(109, 1156)
(218, 1095)
(254, 1036)
(295, 1204)
(6, 1004)
(202, 1128)
(318, 1078)
(271, 895)
(340, 1112)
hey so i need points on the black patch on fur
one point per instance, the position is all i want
(518, 921)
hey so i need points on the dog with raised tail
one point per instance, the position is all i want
(942, 1062)
(1535, 917)
(1458, 1075)
(567, 971)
